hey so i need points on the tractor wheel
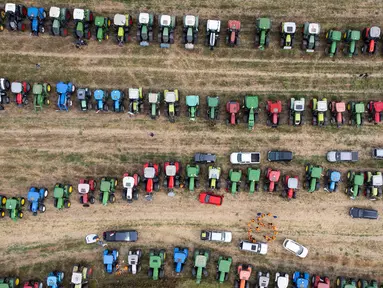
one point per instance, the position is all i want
(20, 215)
(205, 272)
(88, 35)
(165, 182)
(25, 100)
(90, 106)
(67, 204)
(194, 271)
(304, 44)
(156, 187)
(177, 183)
(64, 32)
(226, 276)
(217, 275)
(236, 284)
(92, 200)
(284, 194)
(161, 274)
(42, 208)
(124, 194)
(22, 201)
(7, 100)
(100, 197)
(81, 199)
(135, 195)
(197, 183)
(105, 107)
(150, 273)
(70, 189)
(317, 185)
(112, 198)
(2, 213)
(55, 202)
(256, 40)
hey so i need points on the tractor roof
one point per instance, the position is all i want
(189, 20)
(52, 281)
(58, 192)
(289, 27)
(83, 188)
(128, 182)
(212, 101)
(170, 97)
(292, 183)
(155, 261)
(76, 278)
(335, 35)
(251, 102)
(192, 100)
(282, 281)
(144, 18)
(234, 24)
(119, 20)
(274, 175)
(359, 179)
(355, 35)
(213, 25)
(377, 180)
(224, 265)
(37, 89)
(253, 174)
(200, 261)
(11, 204)
(149, 172)
(322, 106)
(359, 108)
(335, 176)
(99, 21)
(299, 105)
(275, 107)
(340, 106)
(192, 171)
(134, 93)
(33, 196)
(61, 87)
(99, 94)
(105, 185)
(153, 97)
(108, 259)
(16, 87)
(54, 12)
(165, 20)
(81, 93)
(375, 32)
(10, 7)
(171, 170)
(314, 28)
(78, 14)
(316, 172)
(235, 176)
(33, 12)
(214, 172)
(264, 23)
(180, 256)
(115, 95)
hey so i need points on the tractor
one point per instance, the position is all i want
(172, 104)
(301, 280)
(118, 100)
(191, 180)
(297, 110)
(80, 276)
(21, 91)
(253, 177)
(157, 264)
(167, 25)
(356, 110)
(61, 195)
(370, 36)
(212, 107)
(122, 25)
(4, 88)
(145, 28)
(251, 106)
(36, 197)
(342, 282)
(172, 175)
(375, 111)
(271, 180)
(55, 279)
(37, 17)
(84, 96)
(273, 109)
(281, 280)
(355, 181)
(110, 259)
(60, 18)
(10, 282)
(130, 187)
(232, 108)
(134, 261)
(102, 28)
(333, 178)
(213, 27)
(290, 187)
(310, 40)
(14, 206)
(288, 30)
(243, 275)
(374, 182)
(312, 177)
(234, 181)
(351, 38)
(64, 91)
(107, 188)
(15, 15)
(151, 179)
(192, 103)
(320, 282)
(214, 177)
(86, 188)
(337, 109)
(190, 31)
(201, 257)
(223, 269)
(333, 37)
(41, 95)
(154, 100)
(31, 284)
(233, 30)
(263, 279)
(101, 98)
(262, 38)
(319, 109)
(83, 21)
(363, 283)
(180, 255)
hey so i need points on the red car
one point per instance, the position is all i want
(210, 198)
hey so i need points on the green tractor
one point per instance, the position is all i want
(223, 269)
(172, 104)
(107, 188)
(191, 180)
(61, 195)
(312, 177)
(351, 38)
(234, 181)
(253, 176)
(214, 176)
(102, 27)
(342, 282)
(156, 264)
(14, 206)
(263, 26)
(41, 95)
(167, 25)
(333, 37)
(311, 39)
(212, 107)
(9, 282)
(251, 106)
(192, 102)
(201, 257)
(154, 100)
(356, 109)
(355, 181)
(363, 283)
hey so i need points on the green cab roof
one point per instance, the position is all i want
(235, 176)
(192, 100)
(105, 185)
(11, 204)
(264, 23)
(316, 172)
(254, 174)
(336, 35)
(359, 108)
(359, 179)
(212, 101)
(58, 192)
(37, 89)
(355, 35)
(251, 102)
(99, 21)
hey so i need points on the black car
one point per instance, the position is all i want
(204, 158)
(279, 156)
(363, 213)
(121, 236)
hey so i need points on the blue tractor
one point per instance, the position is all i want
(301, 280)
(64, 91)
(36, 197)
(110, 260)
(333, 177)
(101, 96)
(180, 257)
(55, 279)
(37, 17)
(118, 100)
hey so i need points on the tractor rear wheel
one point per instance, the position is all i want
(150, 273)
(112, 198)
(135, 195)
(124, 194)
(67, 204)
(92, 200)
(42, 208)
(161, 274)
(81, 199)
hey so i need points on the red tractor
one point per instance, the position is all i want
(320, 282)
(151, 179)
(21, 90)
(232, 108)
(273, 109)
(33, 284)
(86, 189)
(371, 36)
(233, 29)
(290, 187)
(337, 108)
(375, 111)
(271, 180)
(172, 175)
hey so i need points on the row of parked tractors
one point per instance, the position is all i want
(98, 100)
(13, 17)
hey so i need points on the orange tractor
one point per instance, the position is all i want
(233, 29)
(273, 109)
(244, 273)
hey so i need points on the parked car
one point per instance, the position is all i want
(377, 153)
(219, 236)
(296, 248)
(210, 198)
(258, 247)
(275, 156)
(363, 213)
(245, 158)
(121, 236)
(342, 156)
(204, 158)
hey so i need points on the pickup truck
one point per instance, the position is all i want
(219, 236)
(275, 156)
(340, 156)
(245, 158)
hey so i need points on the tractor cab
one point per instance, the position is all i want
(128, 182)
(288, 32)
(115, 95)
(120, 21)
(54, 12)
(374, 33)
(213, 28)
(170, 97)
(83, 188)
(214, 172)
(322, 106)
(340, 107)
(144, 18)
(292, 183)
(299, 105)
(377, 180)
(190, 20)
(171, 170)
(133, 258)
(335, 176)
(149, 172)
(11, 8)
(274, 175)
(289, 27)
(134, 93)
(281, 280)
(78, 14)
(153, 98)
(110, 260)
(16, 87)
(314, 28)
(316, 172)
(15, 15)
(77, 279)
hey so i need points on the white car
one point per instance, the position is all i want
(296, 248)
(219, 236)
(245, 158)
(258, 247)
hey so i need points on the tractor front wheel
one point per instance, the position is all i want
(67, 204)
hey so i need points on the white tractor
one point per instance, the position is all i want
(263, 279)
(213, 28)
(130, 184)
(80, 276)
(287, 34)
(190, 31)
(134, 261)
(281, 280)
